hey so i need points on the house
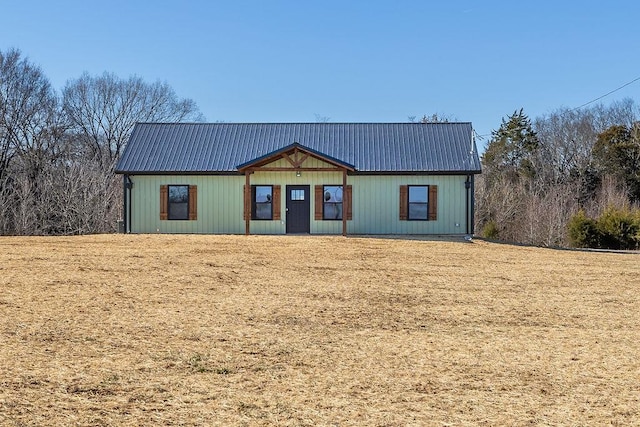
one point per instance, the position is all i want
(317, 178)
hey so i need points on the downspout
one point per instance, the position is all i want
(344, 205)
(473, 204)
(124, 202)
(128, 185)
(468, 214)
(470, 186)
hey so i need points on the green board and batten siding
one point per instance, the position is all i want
(217, 207)
(375, 203)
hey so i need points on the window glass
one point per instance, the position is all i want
(262, 202)
(418, 194)
(418, 202)
(178, 202)
(332, 208)
(297, 194)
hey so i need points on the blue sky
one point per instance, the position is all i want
(351, 61)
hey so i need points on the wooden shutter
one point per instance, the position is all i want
(193, 202)
(275, 200)
(433, 202)
(348, 202)
(319, 196)
(164, 202)
(404, 202)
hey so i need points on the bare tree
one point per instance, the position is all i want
(433, 118)
(29, 138)
(81, 198)
(567, 141)
(57, 158)
(27, 110)
(103, 110)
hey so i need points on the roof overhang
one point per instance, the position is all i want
(295, 154)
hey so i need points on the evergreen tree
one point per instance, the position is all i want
(617, 153)
(512, 147)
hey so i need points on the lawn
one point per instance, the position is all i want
(304, 331)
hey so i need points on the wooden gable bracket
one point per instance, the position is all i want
(298, 159)
(289, 159)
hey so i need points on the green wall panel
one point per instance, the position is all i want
(375, 203)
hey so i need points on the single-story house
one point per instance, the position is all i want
(317, 178)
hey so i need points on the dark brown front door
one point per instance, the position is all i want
(298, 209)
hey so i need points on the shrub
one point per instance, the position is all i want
(636, 238)
(618, 229)
(614, 229)
(490, 230)
(583, 231)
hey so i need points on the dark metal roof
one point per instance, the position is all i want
(369, 147)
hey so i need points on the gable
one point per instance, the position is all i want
(295, 156)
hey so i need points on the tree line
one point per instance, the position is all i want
(58, 151)
(568, 178)
(571, 177)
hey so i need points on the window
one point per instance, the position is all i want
(331, 202)
(332, 196)
(261, 203)
(178, 202)
(418, 202)
(262, 196)
(297, 195)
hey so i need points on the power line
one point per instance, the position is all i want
(606, 94)
(587, 103)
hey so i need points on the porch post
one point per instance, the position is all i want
(247, 202)
(344, 203)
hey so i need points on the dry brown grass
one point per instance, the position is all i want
(294, 331)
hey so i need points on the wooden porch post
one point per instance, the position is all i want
(247, 202)
(344, 202)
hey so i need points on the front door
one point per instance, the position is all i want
(298, 209)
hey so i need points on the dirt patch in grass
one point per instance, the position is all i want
(235, 330)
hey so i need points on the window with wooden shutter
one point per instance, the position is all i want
(262, 202)
(404, 202)
(418, 202)
(164, 202)
(332, 201)
(179, 202)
